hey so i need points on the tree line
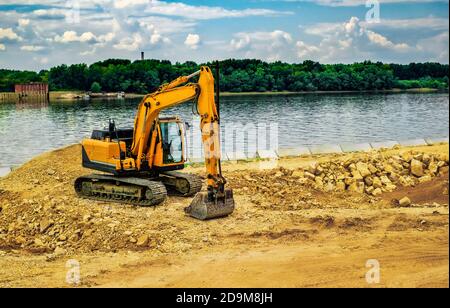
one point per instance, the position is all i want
(144, 76)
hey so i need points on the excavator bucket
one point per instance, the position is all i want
(203, 208)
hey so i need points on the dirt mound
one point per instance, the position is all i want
(40, 212)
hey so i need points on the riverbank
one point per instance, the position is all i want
(80, 95)
(418, 90)
(287, 230)
(73, 95)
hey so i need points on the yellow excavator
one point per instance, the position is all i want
(141, 165)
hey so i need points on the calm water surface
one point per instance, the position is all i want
(27, 130)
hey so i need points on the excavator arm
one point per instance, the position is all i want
(217, 199)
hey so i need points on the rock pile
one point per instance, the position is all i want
(373, 174)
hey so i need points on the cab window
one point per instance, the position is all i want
(171, 142)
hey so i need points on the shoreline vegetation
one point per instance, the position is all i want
(237, 76)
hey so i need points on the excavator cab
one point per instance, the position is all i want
(170, 151)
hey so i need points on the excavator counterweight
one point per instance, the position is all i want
(142, 164)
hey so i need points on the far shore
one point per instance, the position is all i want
(80, 95)
(71, 95)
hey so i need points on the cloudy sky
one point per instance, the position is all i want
(38, 34)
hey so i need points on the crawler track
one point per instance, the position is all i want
(136, 191)
(182, 184)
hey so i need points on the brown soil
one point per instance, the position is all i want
(282, 234)
(423, 194)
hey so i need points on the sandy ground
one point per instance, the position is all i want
(306, 238)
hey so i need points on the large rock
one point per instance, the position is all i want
(357, 187)
(143, 241)
(443, 170)
(390, 187)
(357, 175)
(404, 202)
(372, 169)
(45, 225)
(388, 168)
(425, 179)
(369, 181)
(298, 173)
(369, 190)
(377, 182)
(363, 169)
(406, 181)
(59, 251)
(319, 182)
(377, 192)
(329, 187)
(309, 175)
(417, 168)
(433, 167)
(340, 186)
(385, 180)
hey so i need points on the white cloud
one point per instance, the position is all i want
(130, 44)
(89, 52)
(271, 46)
(273, 39)
(31, 48)
(72, 36)
(342, 42)
(382, 41)
(105, 38)
(360, 2)
(43, 60)
(120, 4)
(51, 13)
(204, 12)
(164, 25)
(86, 37)
(23, 22)
(436, 47)
(305, 50)
(241, 41)
(192, 41)
(2, 47)
(9, 34)
(432, 23)
(155, 38)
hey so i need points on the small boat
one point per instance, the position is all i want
(121, 95)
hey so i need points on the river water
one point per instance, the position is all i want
(28, 129)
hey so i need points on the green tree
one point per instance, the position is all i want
(95, 87)
(237, 75)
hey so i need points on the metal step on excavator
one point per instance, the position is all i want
(141, 166)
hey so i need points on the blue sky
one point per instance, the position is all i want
(38, 34)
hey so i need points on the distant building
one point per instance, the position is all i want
(32, 89)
